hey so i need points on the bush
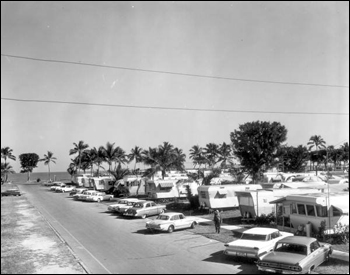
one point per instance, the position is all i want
(38, 180)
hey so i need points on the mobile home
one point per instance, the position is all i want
(101, 183)
(254, 203)
(300, 209)
(222, 196)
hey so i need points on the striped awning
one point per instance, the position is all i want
(166, 184)
(222, 192)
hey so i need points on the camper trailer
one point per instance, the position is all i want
(313, 208)
(82, 180)
(101, 183)
(170, 189)
(254, 203)
(222, 196)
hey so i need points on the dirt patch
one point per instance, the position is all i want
(28, 243)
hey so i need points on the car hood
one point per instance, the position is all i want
(248, 243)
(283, 258)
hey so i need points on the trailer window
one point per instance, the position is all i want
(310, 210)
(321, 211)
(301, 209)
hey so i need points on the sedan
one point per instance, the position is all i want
(170, 222)
(10, 192)
(255, 242)
(98, 197)
(125, 207)
(295, 254)
(144, 209)
(64, 189)
(57, 184)
(120, 203)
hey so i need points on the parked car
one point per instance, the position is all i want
(170, 221)
(295, 254)
(255, 242)
(144, 209)
(98, 197)
(57, 184)
(11, 192)
(120, 203)
(77, 191)
(64, 189)
(125, 207)
(83, 195)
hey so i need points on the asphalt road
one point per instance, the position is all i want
(109, 244)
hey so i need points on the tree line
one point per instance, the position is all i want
(255, 147)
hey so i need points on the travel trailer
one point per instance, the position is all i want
(312, 208)
(101, 183)
(254, 203)
(169, 189)
(222, 196)
(82, 180)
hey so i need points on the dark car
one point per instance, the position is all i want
(10, 192)
(295, 255)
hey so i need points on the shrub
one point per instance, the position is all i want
(38, 180)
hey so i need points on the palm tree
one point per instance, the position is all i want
(317, 142)
(136, 154)
(161, 159)
(100, 157)
(6, 153)
(47, 159)
(72, 169)
(6, 169)
(345, 152)
(120, 156)
(180, 159)
(211, 153)
(196, 154)
(110, 154)
(225, 156)
(78, 148)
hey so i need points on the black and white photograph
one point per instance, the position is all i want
(174, 137)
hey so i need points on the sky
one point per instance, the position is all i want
(188, 73)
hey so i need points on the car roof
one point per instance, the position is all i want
(260, 230)
(171, 213)
(302, 240)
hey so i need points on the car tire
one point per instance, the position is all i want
(171, 229)
(144, 216)
(193, 225)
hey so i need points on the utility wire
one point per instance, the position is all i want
(172, 73)
(168, 108)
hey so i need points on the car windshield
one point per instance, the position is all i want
(138, 205)
(291, 248)
(253, 237)
(163, 217)
(130, 203)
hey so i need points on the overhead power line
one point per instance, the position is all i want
(169, 108)
(172, 73)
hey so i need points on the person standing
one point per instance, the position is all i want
(217, 221)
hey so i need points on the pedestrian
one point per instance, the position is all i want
(217, 221)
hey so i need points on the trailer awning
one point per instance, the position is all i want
(166, 184)
(222, 191)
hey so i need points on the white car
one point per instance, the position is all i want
(170, 221)
(120, 203)
(67, 188)
(255, 242)
(125, 207)
(98, 197)
(57, 184)
(81, 196)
